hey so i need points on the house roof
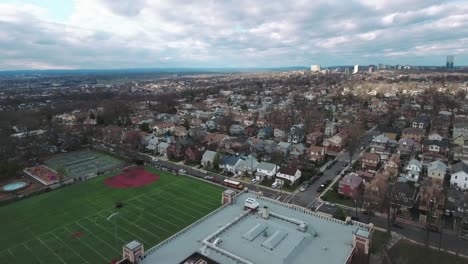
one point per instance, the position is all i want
(415, 162)
(287, 170)
(413, 130)
(440, 143)
(229, 160)
(460, 166)
(352, 179)
(370, 156)
(315, 149)
(381, 139)
(266, 166)
(209, 155)
(437, 165)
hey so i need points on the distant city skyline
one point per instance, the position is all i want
(124, 34)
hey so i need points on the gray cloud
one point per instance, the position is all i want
(182, 33)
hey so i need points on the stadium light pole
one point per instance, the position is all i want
(115, 228)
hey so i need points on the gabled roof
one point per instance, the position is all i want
(229, 160)
(415, 162)
(209, 155)
(351, 179)
(266, 166)
(287, 170)
(460, 166)
(437, 165)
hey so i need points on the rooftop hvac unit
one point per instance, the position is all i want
(251, 203)
(265, 212)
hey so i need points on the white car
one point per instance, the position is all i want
(155, 159)
(254, 181)
(182, 171)
(330, 204)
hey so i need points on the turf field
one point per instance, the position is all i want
(69, 225)
(83, 163)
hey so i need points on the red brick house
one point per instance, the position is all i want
(370, 161)
(351, 185)
(316, 153)
(314, 138)
(175, 151)
(192, 154)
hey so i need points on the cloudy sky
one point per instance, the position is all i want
(67, 34)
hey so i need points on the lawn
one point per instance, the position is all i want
(406, 252)
(379, 239)
(40, 229)
(332, 196)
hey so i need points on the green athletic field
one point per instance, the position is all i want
(40, 229)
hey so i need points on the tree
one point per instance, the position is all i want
(145, 127)
(61, 172)
(133, 138)
(216, 159)
(355, 133)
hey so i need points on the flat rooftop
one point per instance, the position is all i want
(274, 240)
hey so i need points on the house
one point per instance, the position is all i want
(163, 127)
(279, 134)
(330, 129)
(413, 169)
(209, 159)
(215, 138)
(351, 185)
(437, 170)
(236, 129)
(375, 193)
(229, 164)
(404, 197)
(435, 136)
(421, 122)
(192, 154)
(435, 149)
(297, 150)
(460, 129)
(408, 146)
(248, 165)
(296, 133)
(152, 145)
(459, 176)
(251, 131)
(441, 125)
(370, 161)
(316, 153)
(461, 140)
(265, 169)
(315, 138)
(390, 132)
(162, 148)
(176, 151)
(284, 147)
(379, 144)
(288, 174)
(337, 142)
(180, 131)
(456, 205)
(266, 132)
(392, 165)
(416, 134)
(432, 200)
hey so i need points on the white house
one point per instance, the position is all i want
(435, 136)
(459, 176)
(413, 169)
(265, 169)
(289, 174)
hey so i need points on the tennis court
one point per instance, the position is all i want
(83, 163)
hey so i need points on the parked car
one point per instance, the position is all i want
(432, 228)
(210, 178)
(321, 188)
(330, 204)
(275, 185)
(204, 171)
(254, 181)
(182, 171)
(303, 188)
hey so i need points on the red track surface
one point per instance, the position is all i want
(132, 178)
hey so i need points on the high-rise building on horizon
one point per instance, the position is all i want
(356, 69)
(449, 63)
(315, 68)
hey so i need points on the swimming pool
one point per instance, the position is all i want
(14, 186)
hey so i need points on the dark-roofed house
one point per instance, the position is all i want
(459, 176)
(390, 132)
(192, 154)
(229, 163)
(370, 161)
(351, 185)
(289, 174)
(404, 197)
(421, 122)
(435, 149)
(416, 134)
(375, 192)
(316, 153)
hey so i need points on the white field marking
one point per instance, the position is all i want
(40, 240)
(70, 248)
(32, 252)
(126, 231)
(119, 226)
(79, 239)
(192, 202)
(194, 197)
(172, 215)
(153, 208)
(139, 217)
(9, 251)
(98, 225)
(182, 212)
(206, 198)
(87, 230)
